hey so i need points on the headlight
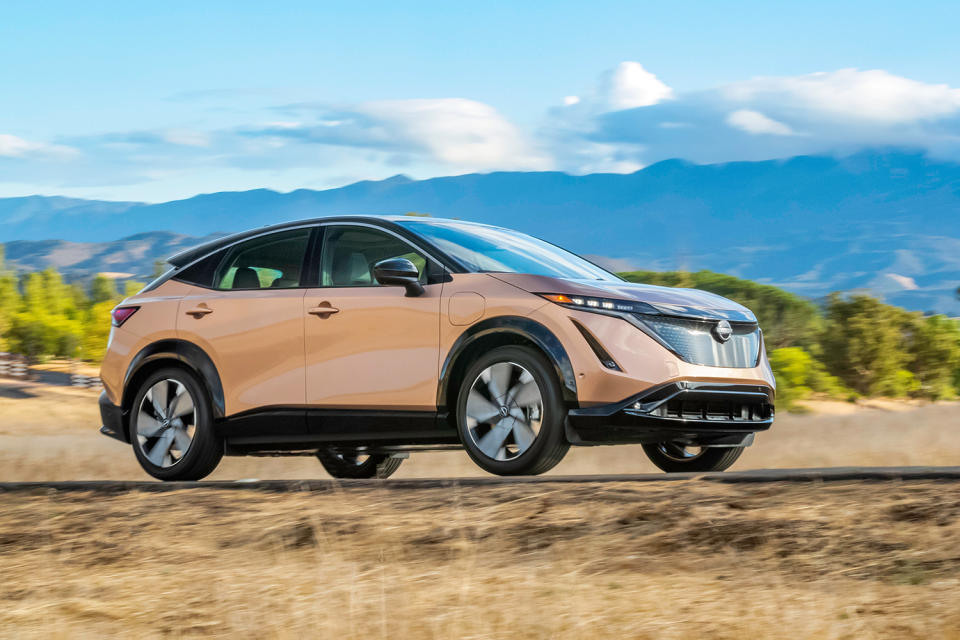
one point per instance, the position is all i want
(599, 305)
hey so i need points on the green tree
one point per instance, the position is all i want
(102, 289)
(799, 376)
(787, 319)
(9, 300)
(933, 347)
(96, 331)
(132, 288)
(863, 345)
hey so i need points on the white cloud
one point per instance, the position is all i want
(457, 133)
(461, 132)
(837, 112)
(569, 101)
(875, 95)
(187, 138)
(905, 282)
(594, 157)
(15, 147)
(757, 123)
(630, 86)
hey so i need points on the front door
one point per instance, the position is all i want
(250, 321)
(375, 349)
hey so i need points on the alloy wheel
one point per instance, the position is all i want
(504, 411)
(679, 451)
(166, 423)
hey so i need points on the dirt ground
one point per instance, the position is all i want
(662, 560)
(671, 560)
(50, 433)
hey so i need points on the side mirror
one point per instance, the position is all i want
(399, 272)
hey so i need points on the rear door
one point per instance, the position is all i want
(249, 319)
(377, 349)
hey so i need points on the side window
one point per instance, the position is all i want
(267, 262)
(349, 254)
(202, 272)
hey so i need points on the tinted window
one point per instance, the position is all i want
(483, 248)
(267, 262)
(349, 254)
(202, 272)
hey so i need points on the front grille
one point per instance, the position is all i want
(694, 341)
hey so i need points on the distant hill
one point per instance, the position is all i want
(887, 222)
(134, 255)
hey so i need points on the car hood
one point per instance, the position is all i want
(692, 303)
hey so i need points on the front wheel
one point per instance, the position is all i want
(676, 457)
(350, 464)
(510, 414)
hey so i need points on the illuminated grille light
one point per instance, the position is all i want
(694, 341)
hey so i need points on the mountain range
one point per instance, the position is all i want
(887, 222)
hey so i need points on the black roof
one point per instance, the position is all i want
(192, 254)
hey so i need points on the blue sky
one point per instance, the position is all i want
(153, 101)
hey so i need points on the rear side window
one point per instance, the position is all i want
(274, 261)
(203, 271)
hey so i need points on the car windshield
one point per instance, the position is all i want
(483, 248)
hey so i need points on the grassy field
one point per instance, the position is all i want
(664, 560)
(50, 433)
(672, 560)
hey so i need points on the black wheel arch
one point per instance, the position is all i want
(177, 352)
(495, 332)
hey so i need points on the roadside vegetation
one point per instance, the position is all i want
(844, 347)
(42, 316)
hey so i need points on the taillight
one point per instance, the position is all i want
(122, 314)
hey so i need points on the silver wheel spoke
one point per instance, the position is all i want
(523, 434)
(159, 397)
(158, 455)
(480, 409)
(679, 451)
(498, 377)
(182, 403)
(147, 426)
(526, 394)
(182, 440)
(492, 443)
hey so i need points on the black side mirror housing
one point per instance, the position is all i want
(399, 272)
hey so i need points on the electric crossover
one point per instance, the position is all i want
(361, 339)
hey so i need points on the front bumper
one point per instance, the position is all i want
(696, 413)
(112, 417)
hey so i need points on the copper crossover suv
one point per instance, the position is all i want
(361, 339)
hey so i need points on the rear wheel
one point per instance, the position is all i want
(350, 464)
(674, 457)
(510, 413)
(171, 427)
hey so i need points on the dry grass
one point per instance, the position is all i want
(666, 560)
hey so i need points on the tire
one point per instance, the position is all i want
(500, 442)
(152, 426)
(340, 464)
(669, 457)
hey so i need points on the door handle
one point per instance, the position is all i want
(199, 312)
(323, 310)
